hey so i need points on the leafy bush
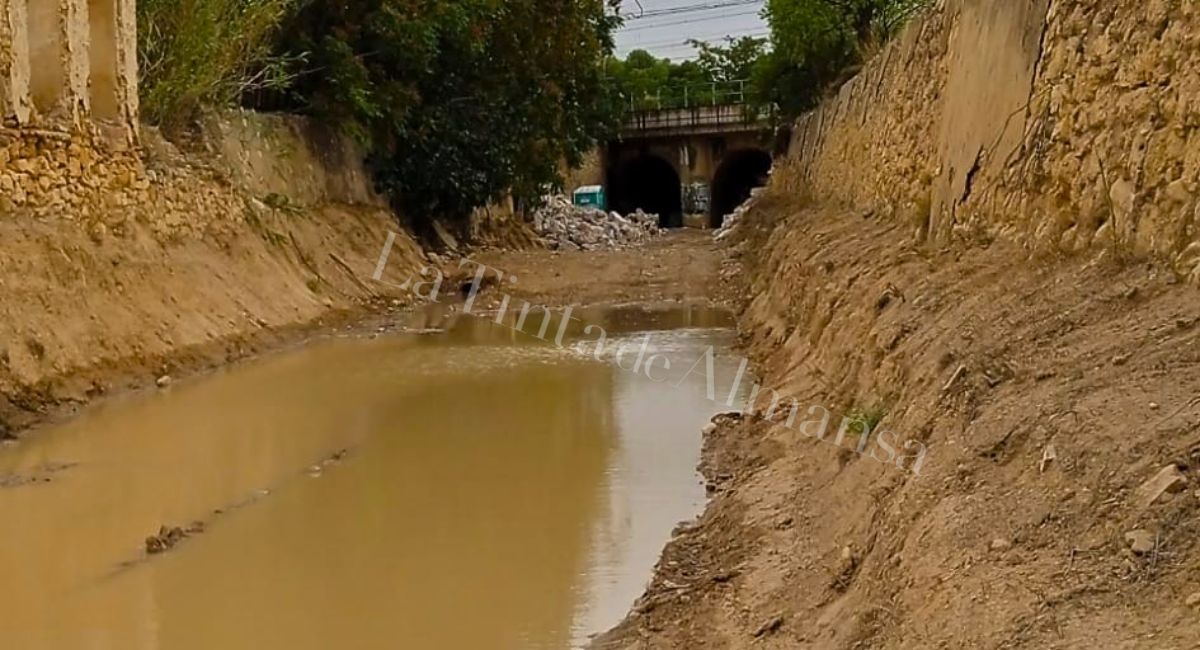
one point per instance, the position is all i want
(645, 82)
(814, 43)
(863, 421)
(194, 53)
(459, 101)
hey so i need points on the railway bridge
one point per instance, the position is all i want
(695, 154)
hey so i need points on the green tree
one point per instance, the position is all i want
(836, 28)
(815, 42)
(460, 102)
(646, 82)
(640, 78)
(734, 61)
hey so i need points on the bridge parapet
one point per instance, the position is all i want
(696, 109)
(701, 120)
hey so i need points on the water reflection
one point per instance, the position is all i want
(499, 493)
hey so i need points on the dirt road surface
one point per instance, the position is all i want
(679, 266)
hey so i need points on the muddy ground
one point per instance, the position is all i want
(680, 266)
(1056, 502)
(87, 315)
(160, 312)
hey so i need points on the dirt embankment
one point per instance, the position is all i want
(679, 266)
(122, 269)
(125, 269)
(1057, 503)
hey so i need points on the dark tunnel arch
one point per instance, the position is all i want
(739, 173)
(650, 183)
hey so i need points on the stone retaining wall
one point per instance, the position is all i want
(1064, 125)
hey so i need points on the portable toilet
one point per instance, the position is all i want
(590, 196)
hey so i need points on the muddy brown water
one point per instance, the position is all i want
(496, 492)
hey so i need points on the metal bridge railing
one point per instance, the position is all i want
(698, 118)
(720, 93)
(708, 106)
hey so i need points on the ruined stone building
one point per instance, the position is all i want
(68, 63)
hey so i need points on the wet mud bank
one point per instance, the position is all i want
(435, 429)
(60, 398)
(87, 320)
(91, 318)
(127, 266)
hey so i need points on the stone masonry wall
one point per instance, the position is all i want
(1064, 125)
(14, 78)
(130, 260)
(241, 161)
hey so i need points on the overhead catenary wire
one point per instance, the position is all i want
(685, 51)
(686, 9)
(693, 20)
(711, 38)
(682, 54)
(689, 21)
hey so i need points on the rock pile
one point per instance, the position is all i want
(731, 221)
(566, 226)
(170, 536)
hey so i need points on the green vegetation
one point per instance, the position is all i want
(815, 43)
(862, 421)
(196, 53)
(646, 82)
(460, 102)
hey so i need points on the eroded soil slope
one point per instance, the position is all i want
(679, 265)
(154, 265)
(1050, 395)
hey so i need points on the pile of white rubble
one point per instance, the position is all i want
(731, 221)
(566, 226)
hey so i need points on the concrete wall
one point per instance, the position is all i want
(289, 156)
(14, 64)
(64, 63)
(1060, 124)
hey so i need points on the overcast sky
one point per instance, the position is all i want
(665, 34)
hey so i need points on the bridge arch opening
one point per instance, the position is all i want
(737, 175)
(649, 183)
